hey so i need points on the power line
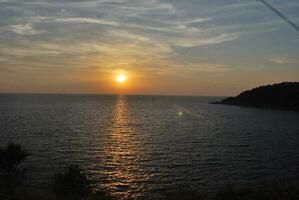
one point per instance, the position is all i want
(285, 18)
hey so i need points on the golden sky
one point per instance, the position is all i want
(205, 47)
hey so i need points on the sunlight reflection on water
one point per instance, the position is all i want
(122, 155)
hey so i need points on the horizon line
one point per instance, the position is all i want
(106, 94)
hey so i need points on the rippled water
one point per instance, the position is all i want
(138, 146)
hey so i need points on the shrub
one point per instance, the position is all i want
(73, 182)
(11, 157)
(186, 195)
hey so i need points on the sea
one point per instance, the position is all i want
(140, 147)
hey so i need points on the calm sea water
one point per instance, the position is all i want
(138, 146)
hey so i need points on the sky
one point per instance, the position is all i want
(168, 47)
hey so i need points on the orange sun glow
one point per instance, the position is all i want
(121, 78)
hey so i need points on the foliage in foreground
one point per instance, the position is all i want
(267, 192)
(185, 195)
(71, 182)
(74, 184)
(11, 157)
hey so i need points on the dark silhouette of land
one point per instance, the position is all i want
(283, 96)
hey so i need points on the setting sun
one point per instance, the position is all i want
(121, 78)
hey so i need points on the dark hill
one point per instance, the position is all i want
(279, 96)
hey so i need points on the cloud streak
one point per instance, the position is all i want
(281, 60)
(23, 29)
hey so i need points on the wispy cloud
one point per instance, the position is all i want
(281, 60)
(125, 29)
(84, 20)
(205, 40)
(23, 29)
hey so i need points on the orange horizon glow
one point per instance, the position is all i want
(121, 82)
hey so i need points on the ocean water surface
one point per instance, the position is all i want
(141, 146)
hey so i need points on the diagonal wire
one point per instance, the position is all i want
(295, 26)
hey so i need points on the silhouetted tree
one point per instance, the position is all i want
(72, 182)
(185, 194)
(11, 157)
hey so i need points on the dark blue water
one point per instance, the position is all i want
(138, 146)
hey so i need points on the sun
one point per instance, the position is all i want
(121, 78)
